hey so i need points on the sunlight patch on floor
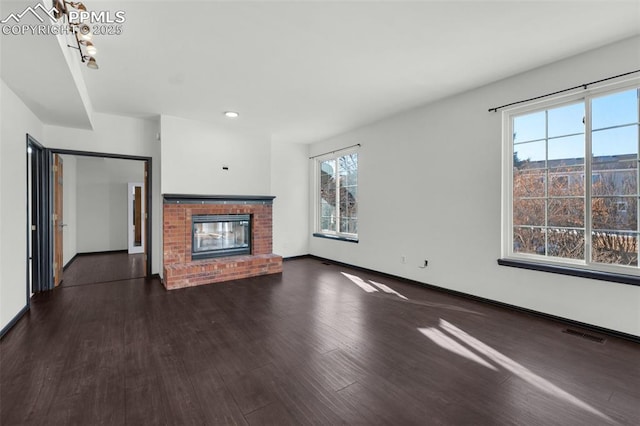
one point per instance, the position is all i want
(373, 287)
(446, 342)
(360, 283)
(387, 289)
(472, 348)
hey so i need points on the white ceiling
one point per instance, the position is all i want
(37, 71)
(301, 71)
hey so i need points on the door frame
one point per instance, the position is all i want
(132, 249)
(40, 269)
(147, 196)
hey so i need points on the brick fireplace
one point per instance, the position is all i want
(180, 270)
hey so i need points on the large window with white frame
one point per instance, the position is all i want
(337, 195)
(571, 181)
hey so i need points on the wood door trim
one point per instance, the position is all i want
(58, 219)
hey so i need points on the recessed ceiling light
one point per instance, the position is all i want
(231, 114)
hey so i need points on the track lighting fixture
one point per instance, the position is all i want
(91, 63)
(91, 49)
(81, 31)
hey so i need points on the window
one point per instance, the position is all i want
(337, 197)
(561, 206)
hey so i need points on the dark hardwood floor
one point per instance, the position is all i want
(103, 267)
(319, 344)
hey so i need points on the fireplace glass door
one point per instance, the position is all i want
(221, 235)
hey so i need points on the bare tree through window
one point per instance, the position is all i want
(339, 195)
(552, 193)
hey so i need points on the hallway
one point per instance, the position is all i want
(102, 268)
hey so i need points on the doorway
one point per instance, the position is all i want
(49, 225)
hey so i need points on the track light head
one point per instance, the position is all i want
(91, 63)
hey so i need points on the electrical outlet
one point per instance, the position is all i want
(426, 263)
(403, 259)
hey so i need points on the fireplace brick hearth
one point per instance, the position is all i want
(180, 270)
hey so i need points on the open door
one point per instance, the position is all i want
(147, 228)
(136, 218)
(58, 223)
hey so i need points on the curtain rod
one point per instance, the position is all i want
(583, 86)
(332, 152)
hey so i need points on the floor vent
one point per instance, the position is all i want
(583, 335)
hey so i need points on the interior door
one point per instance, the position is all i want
(58, 223)
(136, 218)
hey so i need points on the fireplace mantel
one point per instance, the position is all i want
(217, 199)
(181, 270)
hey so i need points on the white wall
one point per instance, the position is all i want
(125, 136)
(430, 189)
(3, 320)
(193, 154)
(17, 121)
(69, 207)
(290, 185)
(102, 202)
